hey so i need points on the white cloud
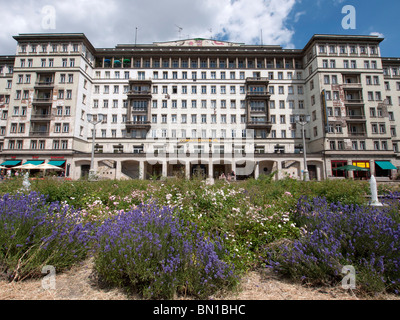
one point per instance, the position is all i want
(107, 23)
(243, 21)
(380, 35)
(298, 15)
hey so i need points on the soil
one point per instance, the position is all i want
(79, 283)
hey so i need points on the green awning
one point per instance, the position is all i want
(57, 163)
(10, 163)
(34, 162)
(386, 165)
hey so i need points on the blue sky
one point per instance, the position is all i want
(289, 23)
(326, 17)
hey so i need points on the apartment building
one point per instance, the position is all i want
(200, 106)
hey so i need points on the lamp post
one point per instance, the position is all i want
(303, 120)
(94, 120)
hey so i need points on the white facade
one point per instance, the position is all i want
(200, 106)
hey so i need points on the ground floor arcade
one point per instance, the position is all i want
(140, 166)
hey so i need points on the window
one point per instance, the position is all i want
(56, 144)
(65, 127)
(33, 144)
(13, 128)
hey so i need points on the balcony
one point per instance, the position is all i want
(257, 80)
(138, 125)
(251, 94)
(139, 110)
(259, 125)
(42, 116)
(352, 85)
(42, 100)
(354, 101)
(258, 110)
(39, 133)
(357, 134)
(45, 84)
(356, 117)
(139, 93)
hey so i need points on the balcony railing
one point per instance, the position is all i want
(258, 93)
(354, 101)
(144, 109)
(39, 133)
(139, 93)
(138, 124)
(352, 85)
(40, 116)
(258, 110)
(258, 124)
(355, 117)
(42, 100)
(251, 79)
(357, 133)
(44, 83)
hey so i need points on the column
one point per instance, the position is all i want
(165, 169)
(257, 170)
(233, 166)
(210, 170)
(279, 169)
(187, 170)
(142, 168)
(118, 170)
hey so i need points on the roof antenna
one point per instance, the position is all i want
(136, 36)
(262, 38)
(179, 31)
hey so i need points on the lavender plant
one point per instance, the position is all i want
(34, 233)
(151, 251)
(335, 235)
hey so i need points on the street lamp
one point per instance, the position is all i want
(303, 120)
(94, 120)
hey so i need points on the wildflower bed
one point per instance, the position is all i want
(162, 239)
